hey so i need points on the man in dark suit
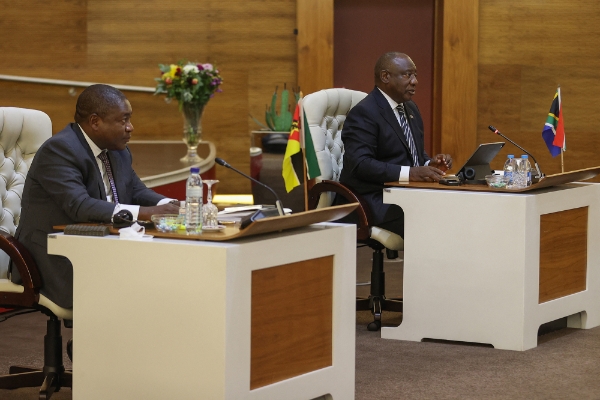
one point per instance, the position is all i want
(68, 182)
(383, 140)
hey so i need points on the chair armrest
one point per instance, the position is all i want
(23, 261)
(363, 211)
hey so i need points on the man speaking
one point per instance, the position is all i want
(82, 174)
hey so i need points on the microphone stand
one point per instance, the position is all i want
(537, 167)
(278, 203)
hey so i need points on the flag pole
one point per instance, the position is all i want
(302, 150)
(562, 148)
(562, 161)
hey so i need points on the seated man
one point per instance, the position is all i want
(383, 141)
(82, 174)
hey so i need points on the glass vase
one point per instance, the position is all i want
(192, 131)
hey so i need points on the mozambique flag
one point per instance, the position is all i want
(293, 147)
(312, 165)
(293, 154)
(554, 129)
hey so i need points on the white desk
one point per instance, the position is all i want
(266, 317)
(492, 267)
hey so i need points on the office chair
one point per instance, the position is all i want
(326, 112)
(22, 132)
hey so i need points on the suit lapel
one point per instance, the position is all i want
(388, 115)
(95, 169)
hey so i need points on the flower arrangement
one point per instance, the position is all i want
(192, 85)
(189, 83)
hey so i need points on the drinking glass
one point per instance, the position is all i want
(209, 210)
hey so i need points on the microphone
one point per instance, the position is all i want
(278, 203)
(537, 167)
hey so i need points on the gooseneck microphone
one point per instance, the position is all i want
(278, 203)
(537, 167)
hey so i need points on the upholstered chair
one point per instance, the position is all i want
(22, 132)
(326, 112)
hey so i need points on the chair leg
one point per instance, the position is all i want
(52, 377)
(377, 302)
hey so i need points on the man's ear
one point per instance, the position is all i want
(384, 76)
(94, 120)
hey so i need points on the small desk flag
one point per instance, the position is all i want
(300, 139)
(554, 129)
(293, 147)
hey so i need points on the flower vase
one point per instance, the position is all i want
(192, 131)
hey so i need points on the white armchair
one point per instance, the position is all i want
(326, 112)
(22, 132)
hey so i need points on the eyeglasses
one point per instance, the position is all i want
(409, 75)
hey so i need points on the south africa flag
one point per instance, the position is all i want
(554, 129)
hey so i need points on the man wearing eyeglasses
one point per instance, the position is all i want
(383, 140)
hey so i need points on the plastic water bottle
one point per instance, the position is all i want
(509, 170)
(518, 177)
(181, 217)
(526, 169)
(193, 202)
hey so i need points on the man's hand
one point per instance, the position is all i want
(442, 162)
(146, 212)
(425, 174)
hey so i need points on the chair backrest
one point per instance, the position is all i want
(326, 112)
(22, 132)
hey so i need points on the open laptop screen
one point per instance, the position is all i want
(478, 165)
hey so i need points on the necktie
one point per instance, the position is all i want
(408, 134)
(104, 158)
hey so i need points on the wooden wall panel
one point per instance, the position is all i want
(315, 45)
(455, 79)
(527, 48)
(252, 43)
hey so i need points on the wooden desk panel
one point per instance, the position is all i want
(291, 320)
(563, 253)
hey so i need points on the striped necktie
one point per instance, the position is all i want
(104, 158)
(408, 134)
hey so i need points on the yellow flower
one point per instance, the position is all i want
(171, 73)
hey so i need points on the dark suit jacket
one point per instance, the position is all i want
(375, 149)
(64, 186)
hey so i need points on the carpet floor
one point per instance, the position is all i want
(565, 365)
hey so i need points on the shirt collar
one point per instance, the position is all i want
(392, 102)
(95, 149)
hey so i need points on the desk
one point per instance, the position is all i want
(266, 317)
(492, 267)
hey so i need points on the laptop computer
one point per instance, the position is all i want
(478, 165)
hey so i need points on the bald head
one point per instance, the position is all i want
(387, 62)
(97, 99)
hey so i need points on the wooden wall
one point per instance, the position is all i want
(315, 45)
(455, 79)
(122, 42)
(527, 48)
(524, 50)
